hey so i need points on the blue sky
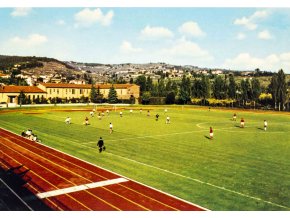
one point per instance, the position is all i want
(231, 38)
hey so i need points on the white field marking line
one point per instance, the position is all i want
(202, 182)
(196, 180)
(114, 172)
(80, 188)
(16, 195)
(226, 129)
(152, 136)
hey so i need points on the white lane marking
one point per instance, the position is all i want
(80, 188)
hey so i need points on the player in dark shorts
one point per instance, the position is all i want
(157, 116)
(101, 145)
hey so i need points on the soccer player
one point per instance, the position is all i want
(87, 121)
(67, 120)
(148, 113)
(121, 114)
(107, 112)
(140, 110)
(165, 110)
(111, 128)
(92, 113)
(101, 145)
(210, 133)
(167, 120)
(242, 123)
(131, 111)
(99, 116)
(234, 117)
(265, 125)
(157, 116)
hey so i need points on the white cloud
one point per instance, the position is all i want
(251, 22)
(154, 33)
(127, 47)
(264, 35)
(272, 62)
(60, 22)
(20, 12)
(30, 41)
(187, 49)
(191, 28)
(241, 36)
(88, 17)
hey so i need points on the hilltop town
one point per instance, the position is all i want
(33, 70)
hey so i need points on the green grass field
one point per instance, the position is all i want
(240, 169)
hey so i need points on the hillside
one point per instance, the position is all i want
(30, 62)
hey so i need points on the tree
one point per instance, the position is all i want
(232, 87)
(149, 84)
(131, 80)
(21, 98)
(281, 89)
(112, 96)
(256, 89)
(141, 81)
(93, 94)
(146, 97)
(245, 90)
(99, 96)
(170, 98)
(174, 87)
(185, 90)
(218, 87)
(161, 88)
(205, 85)
(273, 89)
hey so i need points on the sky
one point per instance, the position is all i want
(218, 37)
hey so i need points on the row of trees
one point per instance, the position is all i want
(218, 87)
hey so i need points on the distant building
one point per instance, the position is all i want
(64, 90)
(9, 94)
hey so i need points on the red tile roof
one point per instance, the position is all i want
(18, 89)
(85, 86)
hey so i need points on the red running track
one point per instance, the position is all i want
(52, 170)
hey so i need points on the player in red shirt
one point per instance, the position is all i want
(210, 133)
(242, 123)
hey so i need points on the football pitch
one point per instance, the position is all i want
(239, 169)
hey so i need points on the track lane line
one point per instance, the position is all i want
(162, 203)
(13, 150)
(15, 136)
(135, 203)
(28, 184)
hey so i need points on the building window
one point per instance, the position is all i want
(53, 90)
(73, 91)
(81, 91)
(57, 91)
(49, 91)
